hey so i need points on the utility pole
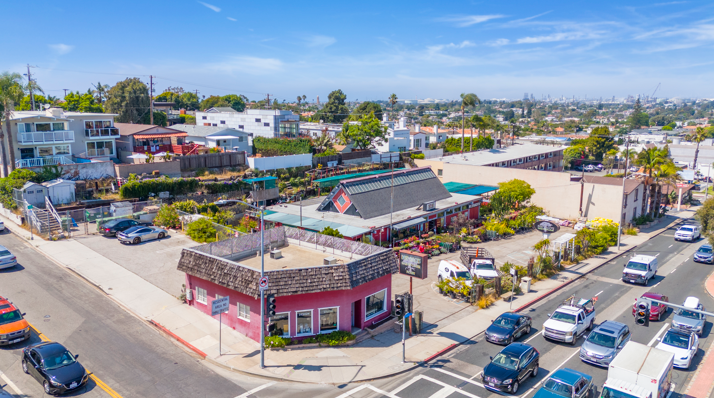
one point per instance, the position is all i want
(582, 189)
(624, 197)
(391, 202)
(151, 99)
(29, 84)
(65, 93)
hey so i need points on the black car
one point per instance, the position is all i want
(508, 327)
(111, 227)
(510, 367)
(54, 367)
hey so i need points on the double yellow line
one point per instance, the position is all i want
(96, 379)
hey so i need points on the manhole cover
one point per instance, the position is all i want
(47, 316)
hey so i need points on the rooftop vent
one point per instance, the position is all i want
(329, 261)
(276, 254)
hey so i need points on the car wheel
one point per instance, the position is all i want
(136, 241)
(534, 373)
(46, 385)
(575, 339)
(24, 366)
(514, 390)
(161, 235)
(590, 327)
(528, 330)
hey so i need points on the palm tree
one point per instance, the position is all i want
(650, 159)
(610, 159)
(322, 143)
(100, 91)
(698, 136)
(11, 92)
(666, 174)
(393, 100)
(469, 100)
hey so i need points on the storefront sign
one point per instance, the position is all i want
(413, 264)
(546, 227)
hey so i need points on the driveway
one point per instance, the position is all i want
(155, 260)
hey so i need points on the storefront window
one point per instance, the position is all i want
(304, 322)
(282, 324)
(328, 320)
(375, 304)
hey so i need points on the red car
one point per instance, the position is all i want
(657, 311)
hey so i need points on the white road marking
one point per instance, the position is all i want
(256, 389)
(657, 254)
(443, 393)
(405, 385)
(664, 327)
(11, 384)
(599, 293)
(670, 246)
(458, 377)
(452, 388)
(553, 371)
(476, 375)
(534, 336)
(672, 271)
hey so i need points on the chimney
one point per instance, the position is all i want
(402, 122)
(436, 129)
(417, 127)
(55, 112)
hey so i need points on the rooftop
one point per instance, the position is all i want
(202, 131)
(293, 256)
(482, 158)
(630, 184)
(16, 115)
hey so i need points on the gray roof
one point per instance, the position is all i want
(484, 157)
(222, 109)
(203, 131)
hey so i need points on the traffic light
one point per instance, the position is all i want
(271, 305)
(399, 305)
(642, 312)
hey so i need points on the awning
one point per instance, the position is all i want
(165, 135)
(409, 223)
(222, 137)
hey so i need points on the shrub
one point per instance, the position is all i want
(221, 217)
(201, 171)
(276, 341)
(309, 340)
(167, 217)
(201, 231)
(485, 302)
(331, 232)
(142, 189)
(281, 146)
(328, 152)
(335, 338)
(418, 156)
(631, 231)
(186, 206)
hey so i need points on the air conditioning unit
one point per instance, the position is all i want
(329, 261)
(276, 254)
(427, 206)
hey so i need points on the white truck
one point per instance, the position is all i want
(640, 269)
(639, 371)
(570, 321)
(480, 263)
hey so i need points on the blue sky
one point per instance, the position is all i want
(369, 49)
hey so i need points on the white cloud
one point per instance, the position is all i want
(211, 6)
(61, 49)
(468, 20)
(232, 19)
(562, 36)
(248, 65)
(320, 41)
(517, 21)
(499, 42)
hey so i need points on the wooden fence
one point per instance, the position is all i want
(225, 159)
(323, 160)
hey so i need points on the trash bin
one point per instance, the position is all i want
(526, 284)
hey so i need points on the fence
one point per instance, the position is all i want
(86, 221)
(433, 153)
(385, 157)
(209, 198)
(222, 232)
(225, 159)
(245, 244)
(280, 162)
(317, 239)
(325, 160)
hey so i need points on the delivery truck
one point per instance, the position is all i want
(639, 371)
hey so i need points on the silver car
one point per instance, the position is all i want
(139, 234)
(603, 343)
(689, 320)
(7, 259)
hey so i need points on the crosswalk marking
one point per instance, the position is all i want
(405, 385)
(459, 377)
(452, 388)
(371, 387)
(253, 391)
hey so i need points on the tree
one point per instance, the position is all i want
(511, 195)
(188, 101)
(235, 102)
(160, 119)
(600, 142)
(705, 216)
(100, 91)
(366, 108)
(467, 100)
(11, 93)
(213, 102)
(331, 232)
(638, 118)
(650, 159)
(26, 103)
(167, 217)
(393, 100)
(129, 99)
(335, 110)
(322, 143)
(367, 132)
(202, 231)
(698, 136)
(76, 102)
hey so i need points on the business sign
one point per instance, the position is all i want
(413, 264)
(546, 227)
(220, 306)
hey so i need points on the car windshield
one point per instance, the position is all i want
(636, 266)
(676, 340)
(10, 317)
(504, 322)
(484, 267)
(563, 317)
(609, 393)
(58, 359)
(705, 250)
(131, 230)
(463, 274)
(505, 361)
(686, 229)
(689, 314)
(558, 387)
(4, 253)
(602, 339)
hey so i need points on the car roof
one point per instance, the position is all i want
(569, 376)
(6, 306)
(133, 229)
(643, 258)
(705, 246)
(685, 333)
(458, 266)
(656, 296)
(610, 326)
(49, 347)
(691, 302)
(511, 315)
(569, 309)
(516, 348)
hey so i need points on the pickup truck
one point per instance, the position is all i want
(689, 233)
(480, 262)
(570, 320)
(639, 371)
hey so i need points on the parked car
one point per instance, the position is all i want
(634, 169)
(13, 326)
(53, 366)
(137, 235)
(684, 345)
(589, 168)
(604, 343)
(578, 168)
(704, 254)
(599, 167)
(510, 366)
(508, 327)
(2, 226)
(690, 320)
(451, 270)
(226, 202)
(657, 311)
(689, 233)
(7, 259)
(566, 383)
(111, 227)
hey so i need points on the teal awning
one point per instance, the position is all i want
(409, 223)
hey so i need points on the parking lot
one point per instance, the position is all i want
(155, 260)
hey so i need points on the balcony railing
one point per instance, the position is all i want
(106, 132)
(46, 137)
(46, 161)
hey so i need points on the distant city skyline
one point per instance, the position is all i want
(415, 49)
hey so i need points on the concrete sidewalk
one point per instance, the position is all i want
(376, 357)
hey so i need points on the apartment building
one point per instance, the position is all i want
(525, 156)
(269, 123)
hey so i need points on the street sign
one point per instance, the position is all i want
(546, 227)
(263, 283)
(219, 306)
(413, 264)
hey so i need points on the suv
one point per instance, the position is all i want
(604, 343)
(13, 327)
(704, 254)
(589, 168)
(688, 232)
(111, 227)
(688, 320)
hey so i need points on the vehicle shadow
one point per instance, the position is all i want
(16, 268)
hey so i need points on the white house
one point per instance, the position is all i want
(417, 139)
(398, 138)
(317, 129)
(269, 123)
(229, 139)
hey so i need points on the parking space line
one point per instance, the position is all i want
(534, 336)
(405, 385)
(458, 377)
(256, 389)
(453, 389)
(664, 327)
(551, 372)
(11, 384)
(599, 293)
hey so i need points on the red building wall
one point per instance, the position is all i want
(312, 301)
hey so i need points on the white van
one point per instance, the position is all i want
(451, 269)
(640, 269)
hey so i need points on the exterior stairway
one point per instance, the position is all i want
(45, 221)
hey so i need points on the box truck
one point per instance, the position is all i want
(639, 371)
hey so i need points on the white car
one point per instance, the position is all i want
(7, 259)
(2, 226)
(682, 344)
(688, 232)
(589, 168)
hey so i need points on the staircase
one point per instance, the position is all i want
(44, 221)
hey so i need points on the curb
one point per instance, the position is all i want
(179, 339)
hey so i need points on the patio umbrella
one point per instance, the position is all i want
(138, 156)
(160, 154)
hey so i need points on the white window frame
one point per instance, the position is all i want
(542, 155)
(319, 323)
(218, 296)
(384, 305)
(312, 323)
(114, 148)
(550, 154)
(238, 311)
(198, 295)
(289, 328)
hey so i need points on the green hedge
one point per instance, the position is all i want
(335, 338)
(223, 187)
(201, 231)
(142, 189)
(281, 146)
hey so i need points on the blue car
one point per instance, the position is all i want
(566, 383)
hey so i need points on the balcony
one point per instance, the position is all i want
(46, 161)
(107, 132)
(46, 137)
(175, 149)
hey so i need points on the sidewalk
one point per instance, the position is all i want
(376, 357)
(701, 385)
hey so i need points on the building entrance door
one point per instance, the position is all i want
(27, 153)
(357, 314)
